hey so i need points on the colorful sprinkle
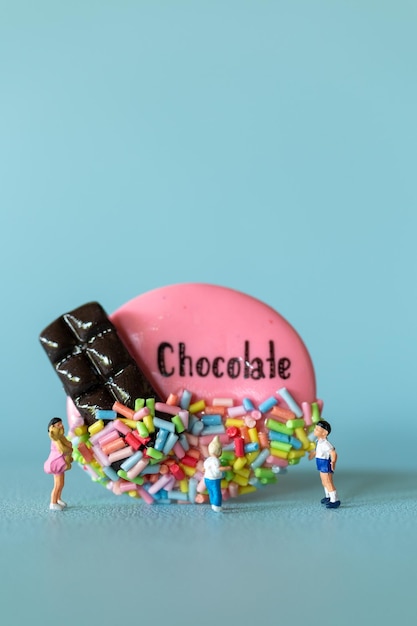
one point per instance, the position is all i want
(160, 461)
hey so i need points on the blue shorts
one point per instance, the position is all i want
(324, 466)
(214, 490)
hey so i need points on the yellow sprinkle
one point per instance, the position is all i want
(131, 423)
(240, 480)
(80, 430)
(183, 485)
(301, 436)
(96, 427)
(279, 453)
(246, 489)
(188, 471)
(245, 472)
(200, 405)
(148, 421)
(239, 463)
(233, 421)
(251, 456)
(253, 435)
(295, 454)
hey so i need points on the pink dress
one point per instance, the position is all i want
(55, 463)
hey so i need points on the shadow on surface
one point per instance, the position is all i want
(355, 487)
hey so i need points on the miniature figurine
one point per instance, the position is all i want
(213, 474)
(326, 458)
(58, 461)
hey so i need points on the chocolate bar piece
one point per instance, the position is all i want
(92, 362)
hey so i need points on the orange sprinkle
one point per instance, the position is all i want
(282, 414)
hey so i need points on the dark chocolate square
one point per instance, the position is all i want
(88, 320)
(58, 340)
(130, 384)
(77, 374)
(108, 353)
(89, 403)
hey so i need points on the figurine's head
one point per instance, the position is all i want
(55, 427)
(215, 447)
(322, 429)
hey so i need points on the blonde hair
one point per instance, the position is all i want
(62, 443)
(215, 447)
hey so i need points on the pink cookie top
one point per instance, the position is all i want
(215, 342)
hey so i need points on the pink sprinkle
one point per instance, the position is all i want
(147, 497)
(160, 483)
(126, 486)
(116, 488)
(108, 428)
(107, 437)
(121, 427)
(138, 468)
(236, 411)
(225, 494)
(275, 460)
(204, 440)
(306, 407)
(141, 413)
(204, 451)
(222, 402)
(179, 450)
(167, 408)
(192, 440)
(124, 453)
(184, 415)
(170, 484)
(102, 458)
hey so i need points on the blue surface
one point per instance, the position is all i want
(269, 147)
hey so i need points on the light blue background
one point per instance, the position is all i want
(265, 146)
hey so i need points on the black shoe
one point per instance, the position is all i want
(325, 500)
(333, 505)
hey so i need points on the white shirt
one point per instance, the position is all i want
(323, 449)
(211, 468)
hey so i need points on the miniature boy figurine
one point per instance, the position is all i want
(58, 462)
(326, 458)
(213, 474)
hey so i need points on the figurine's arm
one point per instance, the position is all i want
(333, 459)
(64, 445)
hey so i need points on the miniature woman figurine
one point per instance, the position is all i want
(213, 474)
(326, 458)
(58, 461)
